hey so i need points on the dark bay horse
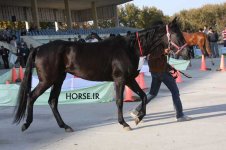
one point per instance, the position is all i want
(199, 39)
(114, 59)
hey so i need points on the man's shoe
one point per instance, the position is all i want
(184, 118)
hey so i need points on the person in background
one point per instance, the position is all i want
(22, 43)
(224, 36)
(24, 52)
(80, 39)
(23, 32)
(205, 30)
(213, 38)
(200, 29)
(112, 35)
(13, 41)
(19, 57)
(128, 33)
(8, 35)
(5, 56)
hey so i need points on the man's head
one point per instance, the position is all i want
(200, 29)
(211, 29)
(128, 33)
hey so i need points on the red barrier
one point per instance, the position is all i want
(21, 73)
(14, 75)
(203, 64)
(128, 95)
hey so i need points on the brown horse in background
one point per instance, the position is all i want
(199, 39)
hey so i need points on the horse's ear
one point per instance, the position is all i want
(173, 22)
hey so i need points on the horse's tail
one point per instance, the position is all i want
(25, 89)
(207, 46)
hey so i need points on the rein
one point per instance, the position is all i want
(170, 42)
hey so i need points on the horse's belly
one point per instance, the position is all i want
(92, 75)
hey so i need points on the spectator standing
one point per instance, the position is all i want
(213, 38)
(23, 32)
(200, 30)
(24, 52)
(22, 43)
(7, 35)
(128, 33)
(224, 36)
(205, 30)
(5, 57)
(13, 41)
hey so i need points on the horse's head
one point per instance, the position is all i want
(161, 39)
(175, 40)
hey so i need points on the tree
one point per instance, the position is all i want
(209, 15)
(106, 23)
(149, 15)
(129, 15)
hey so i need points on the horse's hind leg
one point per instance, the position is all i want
(53, 102)
(136, 88)
(39, 89)
(120, 86)
(211, 56)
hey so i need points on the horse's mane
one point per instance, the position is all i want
(150, 36)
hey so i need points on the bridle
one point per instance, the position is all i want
(140, 47)
(170, 42)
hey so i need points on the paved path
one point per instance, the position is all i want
(96, 127)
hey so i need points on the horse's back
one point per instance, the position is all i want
(194, 38)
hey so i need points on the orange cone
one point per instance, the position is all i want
(179, 78)
(203, 64)
(7, 82)
(21, 73)
(128, 95)
(14, 75)
(141, 82)
(222, 68)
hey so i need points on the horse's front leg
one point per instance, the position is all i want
(136, 88)
(120, 86)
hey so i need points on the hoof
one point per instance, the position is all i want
(24, 127)
(137, 120)
(128, 128)
(69, 129)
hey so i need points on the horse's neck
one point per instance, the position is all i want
(155, 40)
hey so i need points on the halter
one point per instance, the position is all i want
(172, 43)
